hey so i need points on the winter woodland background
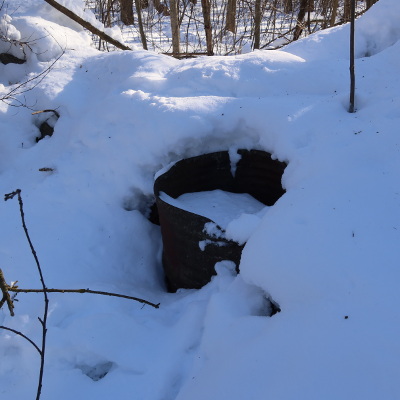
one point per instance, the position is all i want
(83, 133)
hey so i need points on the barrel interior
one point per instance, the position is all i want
(185, 263)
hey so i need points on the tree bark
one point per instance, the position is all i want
(127, 12)
(231, 16)
(106, 17)
(347, 10)
(205, 5)
(87, 25)
(175, 31)
(304, 6)
(335, 5)
(161, 8)
(140, 23)
(310, 9)
(288, 6)
(257, 24)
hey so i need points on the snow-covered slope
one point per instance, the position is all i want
(326, 252)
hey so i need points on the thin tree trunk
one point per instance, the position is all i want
(127, 12)
(325, 13)
(205, 5)
(335, 5)
(107, 16)
(140, 23)
(87, 25)
(310, 8)
(173, 4)
(347, 10)
(257, 24)
(231, 16)
(288, 6)
(300, 18)
(161, 8)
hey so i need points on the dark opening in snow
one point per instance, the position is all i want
(193, 243)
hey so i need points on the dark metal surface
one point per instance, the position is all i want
(185, 264)
(6, 58)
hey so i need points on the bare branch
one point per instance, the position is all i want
(46, 300)
(6, 296)
(55, 112)
(87, 25)
(18, 290)
(28, 84)
(22, 335)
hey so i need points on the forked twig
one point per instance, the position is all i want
(5, 288)
(43, 321)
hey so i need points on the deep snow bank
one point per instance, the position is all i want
(326, 251)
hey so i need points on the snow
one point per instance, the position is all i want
(238, 214)
(327, 252)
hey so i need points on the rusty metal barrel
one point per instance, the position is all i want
(186, 264)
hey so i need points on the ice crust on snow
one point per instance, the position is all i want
(327, 251)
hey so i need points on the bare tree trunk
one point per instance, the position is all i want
(140, 23)
(161, 8)
(205, 5)
(257, 24)
(107, 17)
(175, 27)
(347, 10)
(325, 12)
(300, 18)
(87, 25)
(288, 6)
(231, 16)
(335, 5)
(127, 12)
(310, 8)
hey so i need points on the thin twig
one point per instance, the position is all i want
(46, 300)
(18, 290)
(55, 112)
(25, 87)
(43, 321)
(6, 296)
(22, 335)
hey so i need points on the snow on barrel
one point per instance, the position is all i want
(208, 207)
